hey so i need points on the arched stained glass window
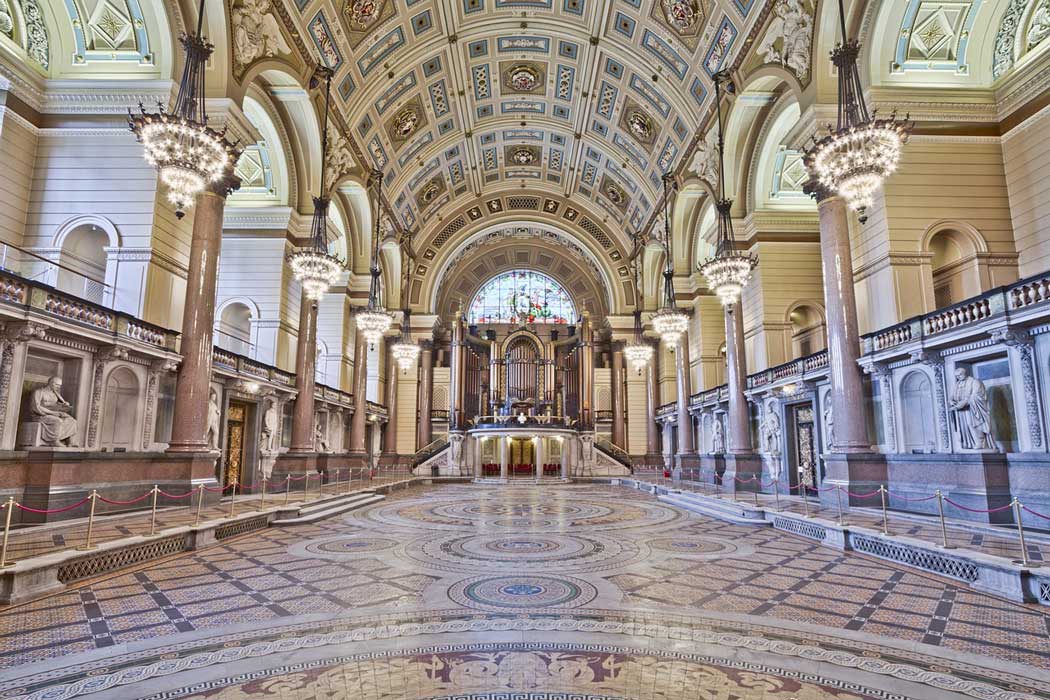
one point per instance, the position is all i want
(521, 296)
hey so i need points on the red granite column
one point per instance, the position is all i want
(685, 421)
(189, 429)
(305, 378)
(618, 407)
(359, 421)
(424, 401)
(739, 422)
(392, 370)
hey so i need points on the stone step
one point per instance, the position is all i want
(724, 508)
(330, 507)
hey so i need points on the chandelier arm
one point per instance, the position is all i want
(721, 141)
(842, 21)
(324, 129)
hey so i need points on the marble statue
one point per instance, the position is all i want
(256, 32)
(970, 413)
(320, 441)
(771, 433)
(51, 411)
(718, 440)
(829, 425)
(705, 160)
(213, 421)
(269, 427)
(793, 26)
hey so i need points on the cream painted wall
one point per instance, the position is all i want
(331, 324)
(940, 179)
(18, 143)
(251, 268)
(407, 388)
(1026, 152)
(710, 335)
(637, 413)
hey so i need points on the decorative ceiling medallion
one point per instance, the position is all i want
(523, 78)
(523, 156)
(686, 18)
(361, 17)
(637, 123)
(406, 122)
(614, 193)
(431, 191)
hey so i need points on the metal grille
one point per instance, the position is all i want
(450, 230)
(523, 203)
(918, 558)
(121, 558)
(241, 527)
(798, 527)
(595, 230)
(1044, 592)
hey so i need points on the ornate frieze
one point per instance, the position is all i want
(256, 33)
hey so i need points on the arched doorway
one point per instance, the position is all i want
(808, 332)
(234, 328)
(82, 263)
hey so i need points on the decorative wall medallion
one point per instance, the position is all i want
(523, 155)
(614, 193)
(523, 78)
(406, 122)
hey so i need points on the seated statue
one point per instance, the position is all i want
(51, 411)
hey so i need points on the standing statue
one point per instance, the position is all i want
(794, 27)
(213, 421)
(718, 440)
(256, 32)
(771, 433)
(829, 425)
(320, 441)
(269, 427)
(970, 412)
(51, 411)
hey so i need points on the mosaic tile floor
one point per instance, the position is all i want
(528, 592)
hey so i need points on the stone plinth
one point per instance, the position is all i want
(294, 464)
(48, 479)
(855, 472)
(980, 481)
(741, 466)
(712, 468)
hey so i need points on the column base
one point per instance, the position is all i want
(294, 464)
(744, 467)
(686, 465)
(855, 472)
(979, 481)
(712, 468)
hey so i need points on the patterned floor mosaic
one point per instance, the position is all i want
(527, 592)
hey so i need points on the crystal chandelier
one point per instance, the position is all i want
(312, 266)
(855, 158)
(728, 271)
(187, 153)
(638, 352)
(669, 322)
(404, 350)
(375, 321)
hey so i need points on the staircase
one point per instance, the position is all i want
(724, 508)
(327, 507)
(615, 453)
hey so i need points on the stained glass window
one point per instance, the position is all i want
(521, 296)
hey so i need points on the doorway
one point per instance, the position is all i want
(233, 466)
(803, 445)
(522, 458)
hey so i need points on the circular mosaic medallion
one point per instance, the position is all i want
(699, 546)
(362, 12)
(641, 126)
(515, 592)
(680, 13)
(351, 545)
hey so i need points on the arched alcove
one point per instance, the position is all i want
(808, 330)
(82, 263)
(233, 328)
(120, 424)
(920, 429)
(955, 268)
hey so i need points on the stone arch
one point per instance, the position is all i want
(919, 420)
(235, 326)
(808, 328)
(84, 268)
(957, 264)
(121, 420)
(302, 123)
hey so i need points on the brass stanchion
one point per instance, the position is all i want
(153, 512)
(306, 486)
(718, 484)
(885, 519)
(200, 502)
(758, 485)
(805, 501)
(1017, 518)
(262, 502)
(320, 484)
(91, 522)
(838, 499)
(10, 506)
(338, 473)
(736, 489)
(287, 488)
(940, 514)
(233, 496)
(349, 482)
(776, 492)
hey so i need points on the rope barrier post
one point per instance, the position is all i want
(10, 506)
(91, 522)
(805, 500)
(338, 473)
(320, 484)
(718, 484)
(940, 514)
(1017, 518)
(233, 496)
(200, 502)
(287, 488)
(306, 487)
(349, 482)
(262, 503)
(153, 512)
(758, 486)
(838, 500)
(776, 492)
(885, 519)
(735, 490)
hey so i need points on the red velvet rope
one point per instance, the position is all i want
(1038, 515)
(56, 510)
(126, 503)
(180, 496)
(978, 510)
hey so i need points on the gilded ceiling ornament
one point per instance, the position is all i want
(430, 192)
(406, 122)
(681, 14)
(615, 194)
(362, 13)
(523, 156)
(640, 125)
(523, 79)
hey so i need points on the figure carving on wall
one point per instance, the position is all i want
(213, 421)
(970, 412)
(269, 427)
(1039, 26)
(51, 411)
(718, 440)
(792, 25)
(7, 24)
(320, 441)
(829, 425)
(705, 159)
(771, 433)
(256, 32)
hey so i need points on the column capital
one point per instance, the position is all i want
(1011, 336)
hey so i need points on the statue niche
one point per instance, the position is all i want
(51, 423)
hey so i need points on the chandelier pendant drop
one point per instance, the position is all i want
(855, 158)
(728, 271)
(638, 352)
(375, 321)
(189, 155)
(313, 267)
(405, 352)
(669, 323)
